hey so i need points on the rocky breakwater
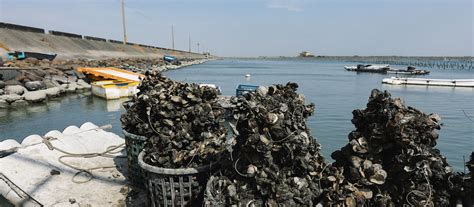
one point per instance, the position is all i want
(32, 81)
(143, 65)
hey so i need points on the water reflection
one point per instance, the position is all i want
(58, 113)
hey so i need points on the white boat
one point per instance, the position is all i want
(114, 89)
(429, 82)
(408, 72)
(368, 68)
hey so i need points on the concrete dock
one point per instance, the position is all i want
(67, 168)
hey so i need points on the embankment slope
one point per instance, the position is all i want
(73, 48)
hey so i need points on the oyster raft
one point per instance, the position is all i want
(183, 122)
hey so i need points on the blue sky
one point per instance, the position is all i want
(266, 27)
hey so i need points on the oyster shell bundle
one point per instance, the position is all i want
(390, 159)
(464, 184)
(274, 158)
(182, 121)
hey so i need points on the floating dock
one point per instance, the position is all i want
(429, 82)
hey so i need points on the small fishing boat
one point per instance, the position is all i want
(110, 89)
(409, 71)
(368, 68)
(112, 83)
(169, 58)
(386, 69)
(20, 55)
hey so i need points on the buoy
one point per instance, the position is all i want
(247, 75)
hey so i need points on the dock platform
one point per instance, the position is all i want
(429, 82)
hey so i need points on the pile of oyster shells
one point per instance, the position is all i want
(182, 121)
(464, 184)
(390, 159)
(274, 159)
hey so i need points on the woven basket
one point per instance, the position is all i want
(174, 187)
(134, 145)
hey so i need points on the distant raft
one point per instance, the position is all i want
(429, 82)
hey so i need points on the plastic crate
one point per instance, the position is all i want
(174, 187)
(134, 145)
(242, 89)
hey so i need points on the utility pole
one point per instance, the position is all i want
(172, 36)
(123, 22)
(189, 43)
(198, 46)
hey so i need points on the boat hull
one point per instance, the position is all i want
(114, 90)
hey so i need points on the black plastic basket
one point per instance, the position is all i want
(134, 145)
(174, 187)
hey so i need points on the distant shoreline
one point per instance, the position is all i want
(453, 62)
(352, 57)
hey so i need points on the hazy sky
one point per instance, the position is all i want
(265, 27)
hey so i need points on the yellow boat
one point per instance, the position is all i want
(112, 83)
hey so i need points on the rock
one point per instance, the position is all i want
(83, 83)
(1, 91)
(71, 79)
(33, 77)
(21, 77)
(35, 96)
(31, 61)
(40, 73)
(10, 98)
(15, 89)
(4, 104)
(35, 85)
(54, 72)
(2, 84)
(19, 103)
(64, 67)
(62, 88)
(51, 83)
(12, 82)
(60, 79)
(71, 87)
(53, 92)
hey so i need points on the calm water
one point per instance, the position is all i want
(335, 92)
